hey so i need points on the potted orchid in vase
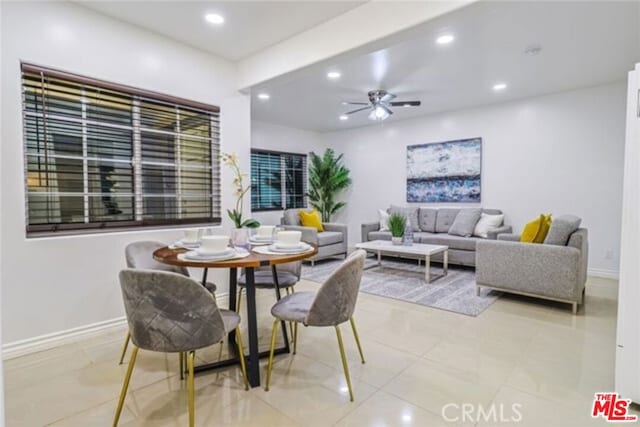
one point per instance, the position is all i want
(241, 235)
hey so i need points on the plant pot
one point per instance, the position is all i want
(240, 237)
(396, 241)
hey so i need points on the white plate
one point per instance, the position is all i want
(285, 246)
(302, 247)
(259, 243)
(262, 238)
(183, 244)
(193, 256)
(204, 253)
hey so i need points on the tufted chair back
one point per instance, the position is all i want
(169, 312)
(336, 300)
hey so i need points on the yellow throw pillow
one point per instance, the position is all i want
(544, 229)
(531, 230)
(311, 219)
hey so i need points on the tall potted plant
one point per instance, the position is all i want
(327, 177)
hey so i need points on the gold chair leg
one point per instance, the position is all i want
(344, 362)
(355, 334)
(125, 385)
(274, 330)
(182, 363)
(191, 385)
(239, 301)
(124, 347)
(295, 337)
(243, 365)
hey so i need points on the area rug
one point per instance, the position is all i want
(404, 280)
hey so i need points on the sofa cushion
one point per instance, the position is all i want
(561, 229)
(311, 219)
(380, 235)
(291, 217)
(326, 238)
(465, 222)
(383, 218)
(410, 213)
(492, 211)
(453, 242)
(427, 219)
(445, 218)
(487, 222)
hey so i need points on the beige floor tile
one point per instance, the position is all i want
(384, 409)
(523, 409)
(97, 416)
(432, 386)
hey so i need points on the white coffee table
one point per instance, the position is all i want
(426, 251)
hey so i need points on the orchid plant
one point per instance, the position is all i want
(231, 160)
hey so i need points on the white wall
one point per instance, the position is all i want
(274, 137)
(55, 284)
(561, 153)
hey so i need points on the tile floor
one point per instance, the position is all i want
(419, 361)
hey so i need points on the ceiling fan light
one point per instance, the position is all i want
(379, 112)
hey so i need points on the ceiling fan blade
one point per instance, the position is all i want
(359, 109)
(405, 104)
(388, 97)
(354, 103)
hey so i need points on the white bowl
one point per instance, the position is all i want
(289, 237)
(265, 230)
(192, 235)
(213, 244)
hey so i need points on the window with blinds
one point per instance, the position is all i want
(278, 180)
(100, 155)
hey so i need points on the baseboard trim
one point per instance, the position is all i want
(603, 273)
(45, 342)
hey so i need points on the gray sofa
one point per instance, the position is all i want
(434, 226)
(545, 271)
(331, 242)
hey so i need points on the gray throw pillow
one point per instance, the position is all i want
(465, 222)
(561, 229)
(410, 213)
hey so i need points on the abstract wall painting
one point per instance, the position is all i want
(444, 171)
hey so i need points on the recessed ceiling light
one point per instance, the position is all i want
(533, 50)
(407, 105)
(445, 39)
(499, 86)
(263, 96)
(344, 117)
(333, 75)
(214, 18)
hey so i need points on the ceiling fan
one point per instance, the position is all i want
(380, 103)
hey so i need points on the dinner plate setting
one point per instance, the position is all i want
(260, 240)
(201, 255)
(185, 244)
(282, 248)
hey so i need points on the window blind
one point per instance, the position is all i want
(100, 155)
(278, 180)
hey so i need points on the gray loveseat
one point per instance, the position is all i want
(434, 225)
(540, 270)
(331, 242)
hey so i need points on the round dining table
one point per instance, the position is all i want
(169, 255)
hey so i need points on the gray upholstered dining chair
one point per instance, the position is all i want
(140, 255)
(332, 305)
(170, 313)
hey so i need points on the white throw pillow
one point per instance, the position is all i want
(486, 223)
(383, 216)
